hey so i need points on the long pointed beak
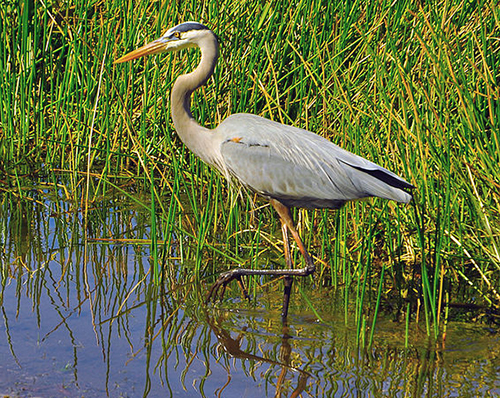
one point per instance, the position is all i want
(155, 47)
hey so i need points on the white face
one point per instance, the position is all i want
(181, 36)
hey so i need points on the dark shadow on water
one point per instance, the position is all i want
(85, 318)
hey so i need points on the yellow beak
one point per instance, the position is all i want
(154, 47)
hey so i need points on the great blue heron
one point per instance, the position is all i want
(289, 166)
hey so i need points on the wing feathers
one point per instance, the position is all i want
(300, 167)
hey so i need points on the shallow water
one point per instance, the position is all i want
(83, 318)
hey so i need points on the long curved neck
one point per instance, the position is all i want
(194, 136)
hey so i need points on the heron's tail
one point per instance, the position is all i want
(384, 184)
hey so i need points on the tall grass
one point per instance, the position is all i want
(412, 86)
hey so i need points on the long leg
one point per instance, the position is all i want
(286, 217)
(288, 280)
(289, 272)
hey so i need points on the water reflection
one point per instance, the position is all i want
(232, 346)
(82, 317)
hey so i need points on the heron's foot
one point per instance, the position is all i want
(219, 287)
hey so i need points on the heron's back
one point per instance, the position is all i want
(300, 168)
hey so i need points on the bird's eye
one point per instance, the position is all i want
(177, 35)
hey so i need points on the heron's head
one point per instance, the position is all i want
(184, 35)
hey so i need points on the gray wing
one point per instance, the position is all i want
(301, 168)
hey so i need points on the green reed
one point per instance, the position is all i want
(413, 88)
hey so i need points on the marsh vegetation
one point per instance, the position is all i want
(100, 199)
